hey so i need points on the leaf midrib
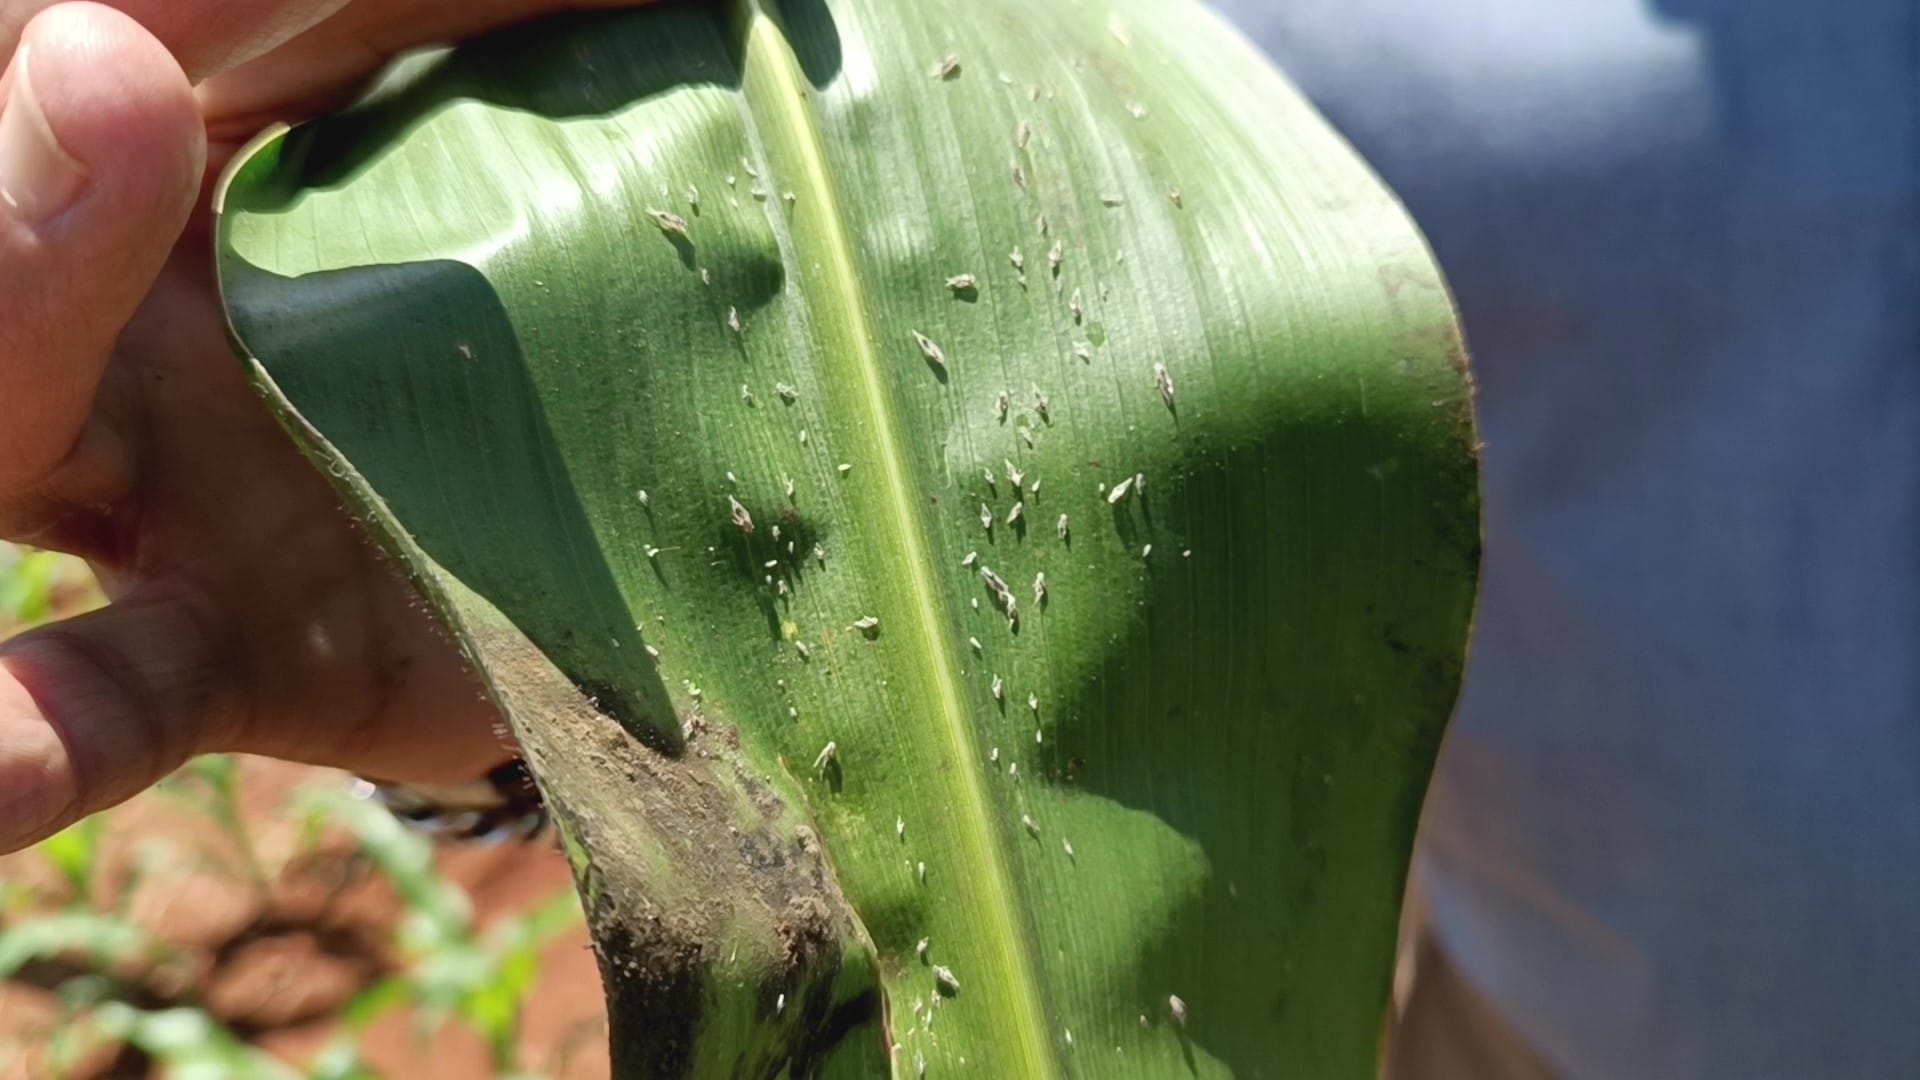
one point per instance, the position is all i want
(766, 48)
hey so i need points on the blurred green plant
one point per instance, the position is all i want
(26, 584)
(452, 970)
(39, 585)
(211, 785)
(184, 1043)
(455, 971)
(75, 852)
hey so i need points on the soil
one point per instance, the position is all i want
(276, 960)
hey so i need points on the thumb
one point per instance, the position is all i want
(101, 151)
(99, 707)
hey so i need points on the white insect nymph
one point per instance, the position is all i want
(669, 221)
(929, 350)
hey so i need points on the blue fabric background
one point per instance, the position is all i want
(1676, 831)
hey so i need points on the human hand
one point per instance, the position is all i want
(247, 613)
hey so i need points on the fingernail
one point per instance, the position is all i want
(38, 178)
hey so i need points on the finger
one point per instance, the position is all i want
(209, 37)
(97, 708)
(101, 149)
(205, 35)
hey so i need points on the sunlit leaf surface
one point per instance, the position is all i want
(1024, 426)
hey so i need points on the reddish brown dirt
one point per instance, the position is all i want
(277, 960)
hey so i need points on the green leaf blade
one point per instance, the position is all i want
(470, 298)
(967, 858)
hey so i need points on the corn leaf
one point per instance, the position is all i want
(972, 509)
